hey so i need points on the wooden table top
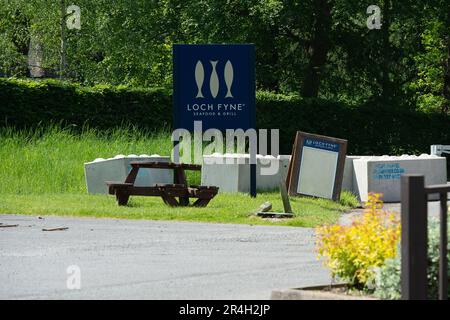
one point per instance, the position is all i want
(165, 165)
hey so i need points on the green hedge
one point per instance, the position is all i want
(26, 103)
(371, 129)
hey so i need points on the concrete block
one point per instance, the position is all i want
(231, 172)
(382, 174)
(347, 181)
(101, 170)
(362, 174)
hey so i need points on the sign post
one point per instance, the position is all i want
(215, 84)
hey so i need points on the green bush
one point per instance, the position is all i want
(387, 278)
(351, 252)
(373, 128)
(26, 104)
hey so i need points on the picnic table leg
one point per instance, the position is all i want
(131, 178)
(201, 202)
(122, 198)
(180, 178)
(169, 200)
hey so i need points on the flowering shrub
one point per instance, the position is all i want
(353, 252)
(387, 277)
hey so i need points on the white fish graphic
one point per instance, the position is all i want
(229, 76)
(199, 78)
(214, 80)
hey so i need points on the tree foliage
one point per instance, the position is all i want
(314, 48)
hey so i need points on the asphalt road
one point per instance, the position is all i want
(434, 210)
(123, 259)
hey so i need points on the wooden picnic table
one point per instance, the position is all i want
(168, 192)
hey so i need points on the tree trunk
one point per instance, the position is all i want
(62, 65)
(318, 49)
(35, 58)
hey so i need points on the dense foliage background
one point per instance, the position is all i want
(372, 128)
(313, 48)
(319, 68)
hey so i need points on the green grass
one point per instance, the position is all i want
(224, 208)
(51, 160)
(41, 173)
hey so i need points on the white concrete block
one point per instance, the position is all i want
(101, 170)
(233, 176)
(362, 174)
(347, 181)
(382, 174)
(231, 172)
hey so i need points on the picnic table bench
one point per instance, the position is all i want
(168, 192)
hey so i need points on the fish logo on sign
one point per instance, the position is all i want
(214, 83)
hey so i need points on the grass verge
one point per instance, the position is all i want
(41, 173)
(224, 208)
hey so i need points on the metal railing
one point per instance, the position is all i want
(414, 242)
(439, 149)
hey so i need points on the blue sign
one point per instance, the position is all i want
(320, 144)
(214, 84)
(387, 171)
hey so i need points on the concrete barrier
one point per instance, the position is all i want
(362, 174)
(101, 170)
(348, 179)
(231, 172)
(382, 173)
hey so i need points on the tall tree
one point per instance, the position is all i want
(318, 48)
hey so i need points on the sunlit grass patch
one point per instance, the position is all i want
(42, 173)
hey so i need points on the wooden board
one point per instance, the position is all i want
(317, 166)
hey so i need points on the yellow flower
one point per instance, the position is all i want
(351, 252)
